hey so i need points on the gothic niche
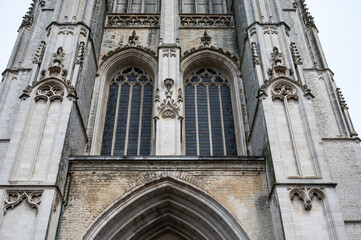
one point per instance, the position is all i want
(40, 135)
(278, 68)
(168, 108)
(291, 123)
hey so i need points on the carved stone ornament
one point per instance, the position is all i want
(14, 198)
(278, 68)
(255, 56)
(28, 19)
(206, 39)
(40, 53)
(133, 39)
(169, 53)
(284, 91)
(50, 91)
(306, 195)
(135, 21)
(307, 17)
(157, 95)
(296, 54)
(80, 53)
(341, 99)
(180, 95)
(270, 30)
(168, 108)
(204, 21)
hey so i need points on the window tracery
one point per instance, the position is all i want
(127, 127)
(208, 115)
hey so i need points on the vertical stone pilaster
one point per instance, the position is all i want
(169, 120)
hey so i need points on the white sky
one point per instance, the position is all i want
(337, 20)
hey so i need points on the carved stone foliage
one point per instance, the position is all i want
(145, 49)
(141, 21)
(14, 198)
(80, 53)
(202, 21)
(296, 54)
(50, 91)
(206, 39)
(284, 91)
(28, 19)
(255, 55)
(133, 39)
(306, 195)
(227, 53)
(341, 99)
(307, 17)
(40, 53)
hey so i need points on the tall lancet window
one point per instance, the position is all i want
(127, 127)
(208, 115)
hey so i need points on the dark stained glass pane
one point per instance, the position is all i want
(134, 121)
(229, 132)
(147, 120)
(109, 120)
(203, 131)
(190, 122)
(217, 139)
(122, 121)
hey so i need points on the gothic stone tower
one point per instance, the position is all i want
(189, 119)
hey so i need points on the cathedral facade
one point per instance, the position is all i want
(175, 120)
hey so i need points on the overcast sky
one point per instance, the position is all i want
(337, 20)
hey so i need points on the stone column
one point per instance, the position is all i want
(168, 119)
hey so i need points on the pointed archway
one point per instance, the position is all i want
(167, 206)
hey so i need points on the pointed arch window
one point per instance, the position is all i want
(127, 125)
(209, 121)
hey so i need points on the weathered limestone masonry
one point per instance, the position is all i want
(189, 119)
(52, 70)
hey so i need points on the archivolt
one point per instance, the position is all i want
(166, 205)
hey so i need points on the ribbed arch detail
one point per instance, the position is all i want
(166, 205)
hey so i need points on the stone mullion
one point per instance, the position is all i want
(128, 119)
(116, 119)
(222, 123)
(140, 120)
(196, 117)
(209, 122)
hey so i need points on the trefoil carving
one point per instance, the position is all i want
(14, 198)
(306, 195)
(284, 91)
(204, 21)
(50, 91)
(135, 21)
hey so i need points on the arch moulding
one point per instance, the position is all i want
(167, 204)
(131, 56)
